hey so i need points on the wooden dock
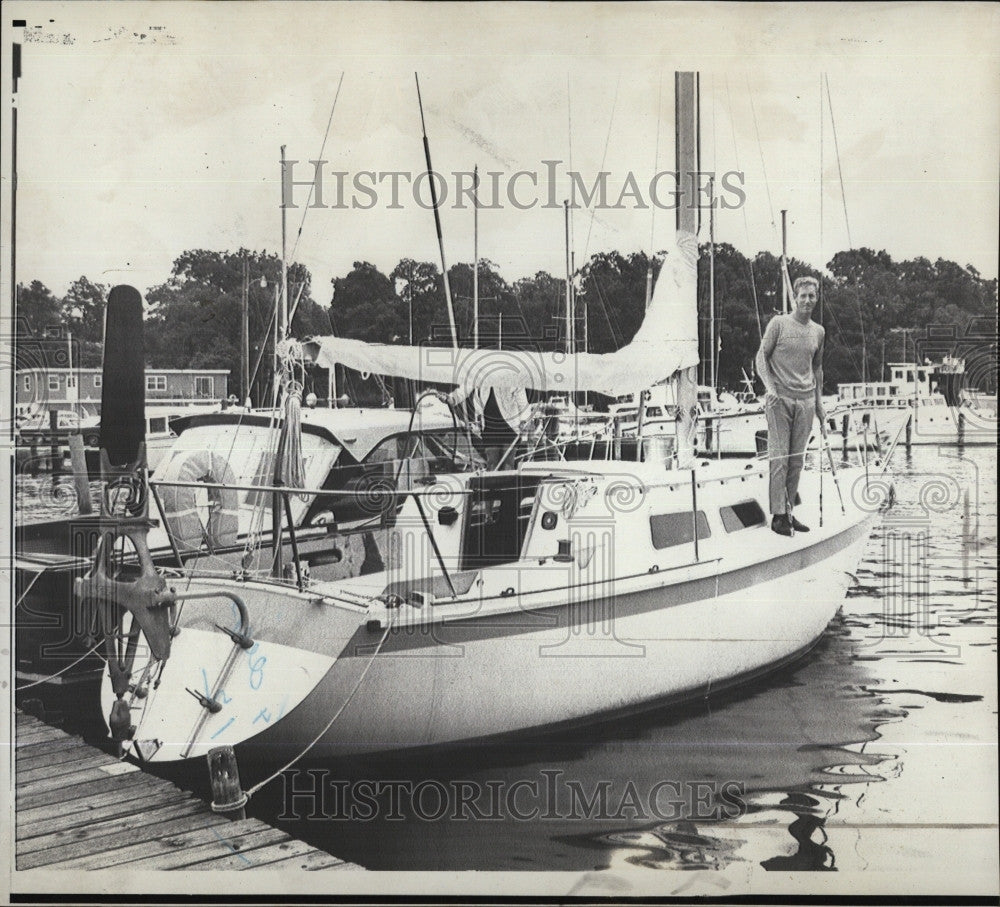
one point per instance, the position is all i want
(79, 808)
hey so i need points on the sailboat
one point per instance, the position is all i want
(524, 599)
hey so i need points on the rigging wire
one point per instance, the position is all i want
(862, 367)
(760, 148)
(656, 168)
(72, 664)
(604, 157)
(836, 147)
(572, 185)
(746, 221)
(847, 222)
(312, 185)
(821, 256)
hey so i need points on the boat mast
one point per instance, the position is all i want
(569, 282)
(437, 218)
(283, 323)
(687, 154)
(711, 280)
(16, 63)
(245, 334)
(570, 313)
(785, 288)
(475, 255)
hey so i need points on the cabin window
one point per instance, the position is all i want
(158, 425)
(53, 382)
(670, 529)
(654, 412)
(204, 386)
(156, 382)
(744, 515)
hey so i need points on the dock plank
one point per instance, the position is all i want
(81, 762)
(39, 837)
(244, 844)
(33, 822)
(40, 735)
(45, 747)
(169, 820)
(262, 856)
(109, 786)
(25, 720)
(26, 761)
(77, 807)
(311, 862)
(171, 847)
(63, 783)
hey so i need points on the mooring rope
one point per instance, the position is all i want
(329, 724)
(61, 671)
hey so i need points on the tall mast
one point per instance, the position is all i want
(283, 311)
(569, 283)
(437, 218)
(785, 301)
(475, 255)
(16, 63)
(687, 152)
(711, 280)
(245, 334)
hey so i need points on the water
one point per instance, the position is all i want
(877, 753)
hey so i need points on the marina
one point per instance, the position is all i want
(831, 755)
(639, 537)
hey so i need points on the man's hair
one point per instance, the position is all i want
(803, 282)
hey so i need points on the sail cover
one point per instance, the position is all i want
(667, 341)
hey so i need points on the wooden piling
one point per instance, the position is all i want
(78, 458)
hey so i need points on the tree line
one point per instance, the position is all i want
(193, 318)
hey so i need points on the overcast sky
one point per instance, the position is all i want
(148, 129)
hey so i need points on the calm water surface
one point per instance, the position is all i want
(878, 752)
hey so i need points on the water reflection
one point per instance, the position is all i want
(808, 749)
(810, 836)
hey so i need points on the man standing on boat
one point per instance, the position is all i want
(790, 363)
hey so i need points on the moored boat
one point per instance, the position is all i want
(518, 601)
(510, 601)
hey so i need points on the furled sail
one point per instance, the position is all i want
(667, 341)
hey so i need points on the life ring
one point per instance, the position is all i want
(180, 503)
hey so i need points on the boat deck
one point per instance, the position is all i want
(79, 808)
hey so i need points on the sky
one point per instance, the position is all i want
(146, 129)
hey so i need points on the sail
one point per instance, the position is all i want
(667, 341)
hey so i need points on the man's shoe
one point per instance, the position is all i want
(799, 527)
(781, 524)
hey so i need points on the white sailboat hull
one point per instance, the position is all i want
(491, 687)
(449, 673)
